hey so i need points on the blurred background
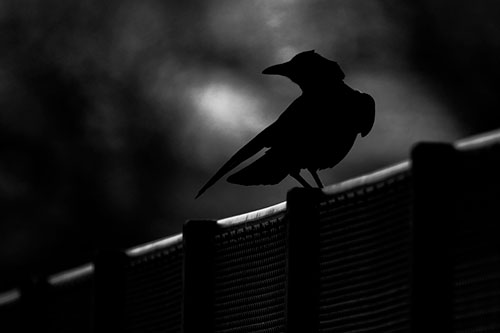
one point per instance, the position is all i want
(114, 113)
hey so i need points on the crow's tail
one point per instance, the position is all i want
(247, 151)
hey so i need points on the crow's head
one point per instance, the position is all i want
(307, 67)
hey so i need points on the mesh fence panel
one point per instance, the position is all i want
(250, 277)
(365, 258)
(74, 299)
(153, 296)
(476, 303)
(10, 312)
(365, 264)
(476, 246)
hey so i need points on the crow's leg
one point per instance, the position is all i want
(316, 178)
(301, 180)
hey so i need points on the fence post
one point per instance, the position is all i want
(198, 238)
(302, 298)
(433, 171)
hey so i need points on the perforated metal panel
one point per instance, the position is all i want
(365, 258)
(250, 277)
(153, 291)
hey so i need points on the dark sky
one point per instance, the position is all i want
(114, 113)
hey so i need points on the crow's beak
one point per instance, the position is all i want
(281, 69)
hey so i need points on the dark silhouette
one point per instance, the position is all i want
(315, 132)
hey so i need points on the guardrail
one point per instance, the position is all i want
(411, 248)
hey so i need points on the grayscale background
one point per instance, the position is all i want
(114, 113)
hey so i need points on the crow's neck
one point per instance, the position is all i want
(320, 86)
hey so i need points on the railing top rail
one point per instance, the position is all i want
(10, 296)
(88, 269)
(478, 141)
(330, 190)
(71, 274)
(368, 179)
(154, 245)
(252, 216)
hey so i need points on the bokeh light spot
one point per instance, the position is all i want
(227, 109)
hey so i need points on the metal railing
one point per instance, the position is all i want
(411, 248)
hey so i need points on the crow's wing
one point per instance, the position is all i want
(262, 140)
(366, 109)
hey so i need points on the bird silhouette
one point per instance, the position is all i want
(315, 132)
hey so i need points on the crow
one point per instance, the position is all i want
(315, 132)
